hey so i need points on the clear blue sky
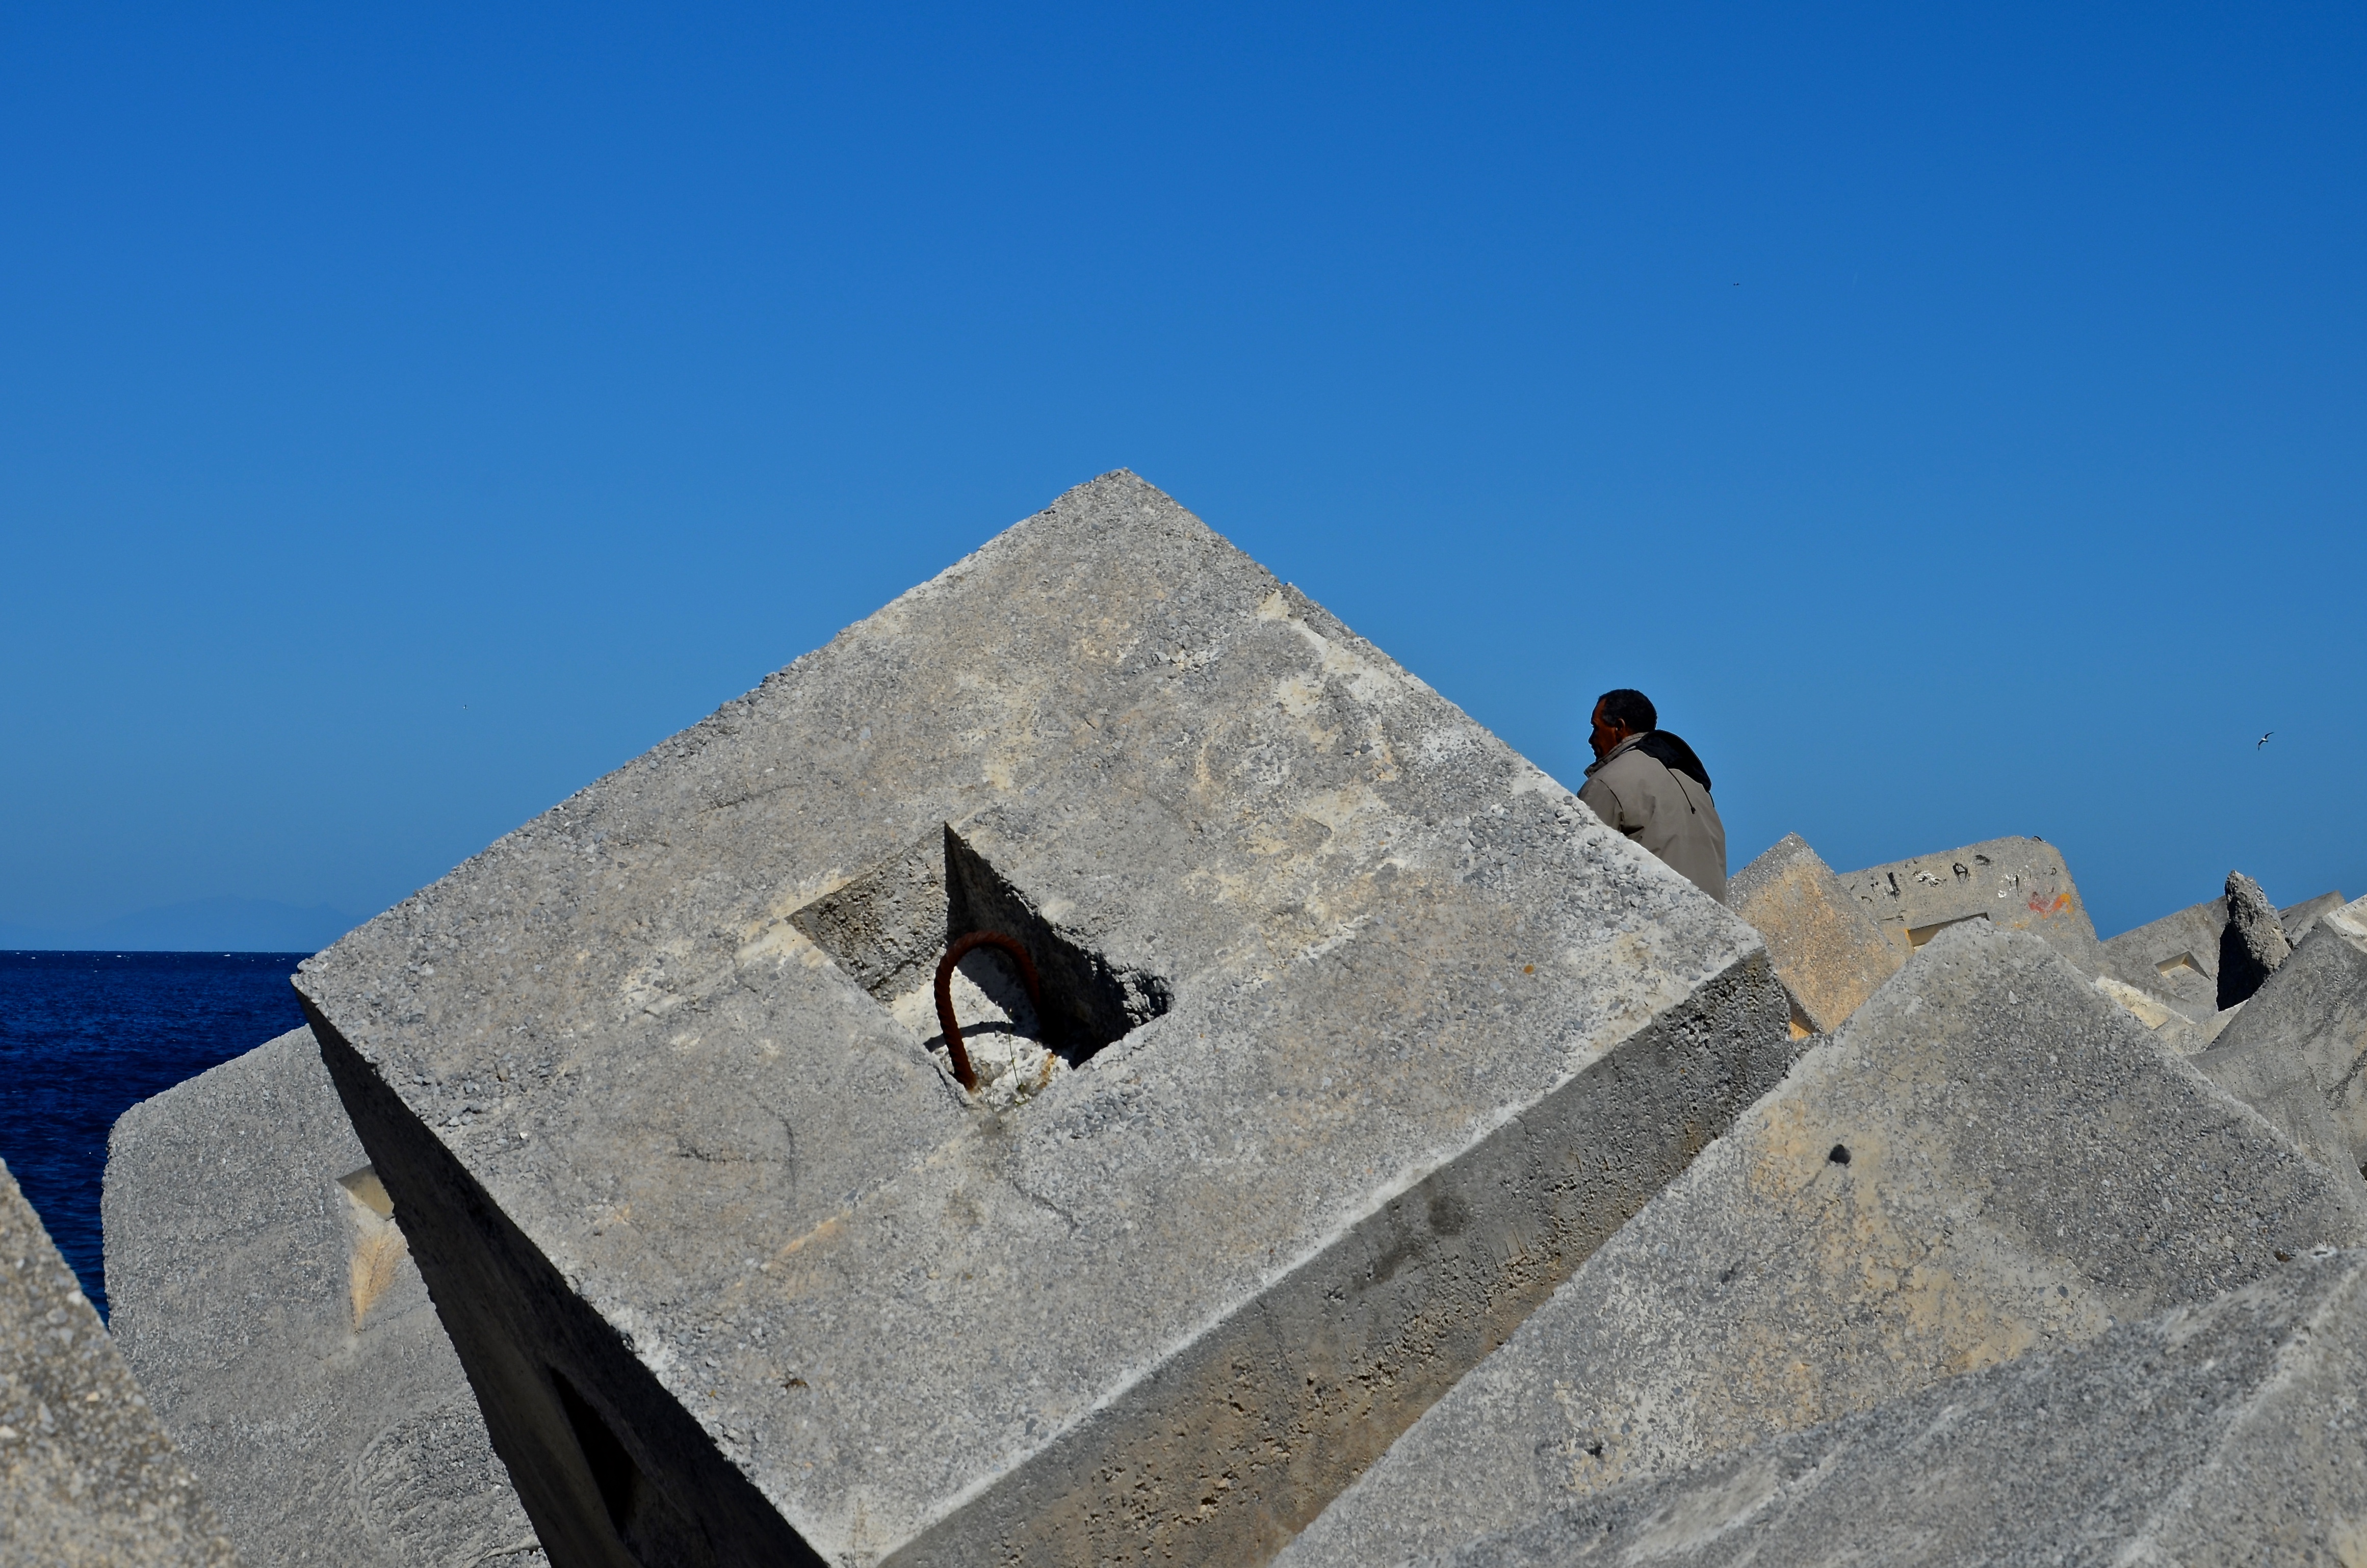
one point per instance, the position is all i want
(1952, 417)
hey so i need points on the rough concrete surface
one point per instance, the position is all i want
(87, 1478)
(266, 1300)
(1827, 950)
(2253, 945)
(2015, 884)
(2300, 919)
(2171, 1028)
(1372, 1033)
(1988, 1159)
(2298, 1050)
(2177, 957)
(2231, 1433)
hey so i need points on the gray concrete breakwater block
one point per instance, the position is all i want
(2229, 1433)
(1825, 945)
(87, 1478)
(2300, 919)
(2297, 1051)
(2015, 884)
(266, 1298)
(1368, 1033)
(2169, 1026)
(2176, 956)
(1989, 1158)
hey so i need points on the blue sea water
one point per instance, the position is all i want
(86, 1036)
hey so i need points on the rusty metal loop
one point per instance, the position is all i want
(954, 955)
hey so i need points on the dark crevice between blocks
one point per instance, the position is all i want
(650, 1529)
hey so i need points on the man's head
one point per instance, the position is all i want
(1617, 716)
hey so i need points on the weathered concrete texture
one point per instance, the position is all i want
(87, 1478)
(2298, 1050)
(2253, 945)
(2348, 918)
(2015, 884)
(264, 1294)
(2176, 956)
(2300, 919)
(1825, 945)
(1372, 1033)
(2230, 1432)
(2171, 1028)
(1988, 1159)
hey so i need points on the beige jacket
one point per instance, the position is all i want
(1667, 812)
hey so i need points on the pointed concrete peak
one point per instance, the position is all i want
(1123, 482)
(1984, 977)
(1831, 952)
(2240, 886)
(2254, 945)
(2350, 920)
(1120, 505)
(1988, 978)
(1771, 863)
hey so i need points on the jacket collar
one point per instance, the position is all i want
(1618, 751)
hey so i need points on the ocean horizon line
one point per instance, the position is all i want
(197, 925)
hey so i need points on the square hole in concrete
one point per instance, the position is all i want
(888, 928)
(647, 1524)
(379, 1247)
(1917, 935)
(364, 1187)
(2180, 967)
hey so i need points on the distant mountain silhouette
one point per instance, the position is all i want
(201, 925)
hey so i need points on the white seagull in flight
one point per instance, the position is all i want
(2263, 740)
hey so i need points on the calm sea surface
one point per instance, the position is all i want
(84, 1037)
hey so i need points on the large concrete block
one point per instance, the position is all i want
(1363, 1033)
(264, 1294)
(2015, 884)
(2171, 1028)
(2177, 957)
(2229, 1433)
(1825, 945)
(87, 1478)
(1988, 1159)
(2297, 1051)
(2300, 919)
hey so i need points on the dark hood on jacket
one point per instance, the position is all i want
(1671, 753)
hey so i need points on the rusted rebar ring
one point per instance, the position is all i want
(954, 955)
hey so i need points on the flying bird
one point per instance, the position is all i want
(2263, 740)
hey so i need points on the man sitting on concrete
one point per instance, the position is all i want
(1648, 783)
